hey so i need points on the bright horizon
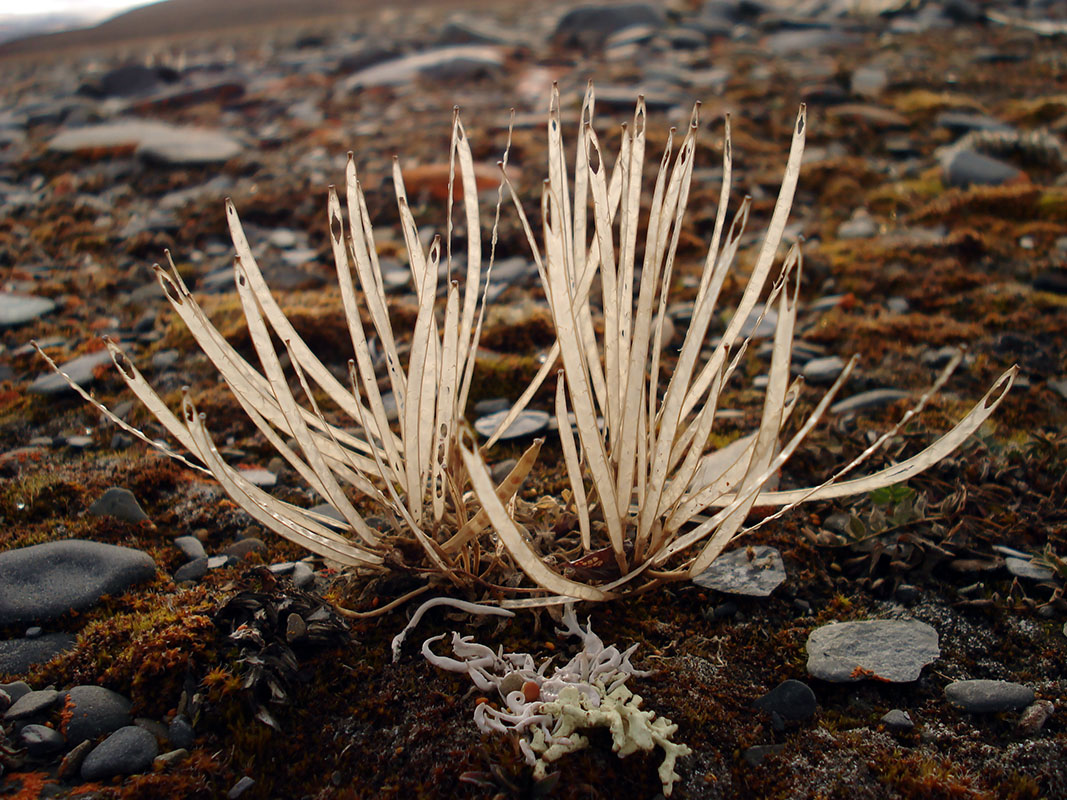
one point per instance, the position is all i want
(97, 8)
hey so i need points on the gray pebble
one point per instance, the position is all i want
(791, 700)
(40, 740)
(80, 370)
(32, 704)
(94, 711)
(988, 696)
(240, 788)
(180, 733)
(303, 575)
(120, 503)
(190, 546)
(967, 168)
(823, 370)
(192, 571)
(127, 751)
(897, 721)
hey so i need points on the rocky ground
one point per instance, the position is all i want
(906, 643)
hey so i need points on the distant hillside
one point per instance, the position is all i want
(190, 17)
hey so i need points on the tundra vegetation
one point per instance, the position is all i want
(651, 501)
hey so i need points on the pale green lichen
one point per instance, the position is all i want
(632, 728)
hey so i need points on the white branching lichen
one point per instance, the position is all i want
(588, 692)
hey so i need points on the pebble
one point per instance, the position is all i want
(243, 548)
(164, 760)
(71, 765)
(19, 655)
(180, 733)
(191, 547)
(1024, 568)
(95, 710)
(897, 721)
(303, 575)
(821, 371)
(240, 788)
(80, 370)
(445, 63)
(17, 309)
(753, 571)
(981, 696)
(792, 700)
(41, 741)
(156, 142)
(526, 423)
(875, 398)
(32, 704)
(592, 25)
(127, 751)
(967, 168)
(860, 226)
(192, 570)
(46, 581)
(889, 650)
(120, 503)
(263, 478)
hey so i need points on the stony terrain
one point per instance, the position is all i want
(907, 643)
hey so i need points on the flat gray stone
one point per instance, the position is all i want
(152, 141)
(1024, 568)
(18, 655)
(127, 751)
(526, 424)
(189, 146)
(968, 168)
(80, 370)
(875, 398)
(18, 309)
(32, 704)
(988, 697)
(887, 649)
(736, 573)
(120, 503)
(444, 63)
(45, 581)
(95, 711)
(823, 370)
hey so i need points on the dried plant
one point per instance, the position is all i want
(640, 483)
(649, 478)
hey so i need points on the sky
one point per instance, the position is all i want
(19, 8)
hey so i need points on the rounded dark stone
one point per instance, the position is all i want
(48, 580)
(40, 741)
(180, 733)
(192, 571)
(988, 697)
(791, 700)
(95, 710)
(127, 751)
